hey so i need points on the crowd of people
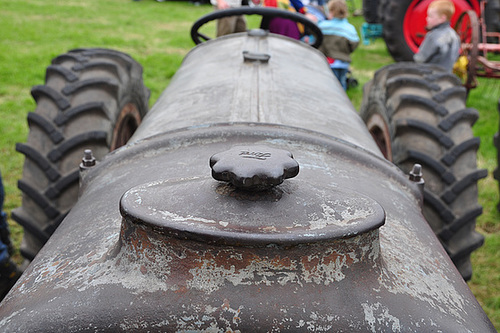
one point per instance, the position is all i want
(440, 46)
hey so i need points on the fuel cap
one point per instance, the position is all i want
(254, 167)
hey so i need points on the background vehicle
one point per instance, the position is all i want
(404, 21)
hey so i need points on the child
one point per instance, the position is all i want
(441, 44)
(340, 39)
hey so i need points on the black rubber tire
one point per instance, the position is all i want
(417, 114)
(391, 15)
(370, 11)
(492, 17)
(382, 6)
(92, 99)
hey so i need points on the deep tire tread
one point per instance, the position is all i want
(469, 180)
(29, 225)
(425, 103)
(78, 107)
(108, 66)
(44, 165)
(73, 57)
(63, 118)
(434, 110)
(428, 130)
(455, 92)
(62, 184)
(394, 84)
(468, 114)
(450, 158)
(45, 91)
(76, 141)
(97, 83)
(67, 74)
(439, 207)
(402, 69)
(428, 162)
(447, 232)
(46, 126)
(39, 198)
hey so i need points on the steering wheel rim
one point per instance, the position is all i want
(262, 11)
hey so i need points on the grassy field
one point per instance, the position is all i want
(157, 35)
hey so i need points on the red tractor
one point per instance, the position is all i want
(403, 21)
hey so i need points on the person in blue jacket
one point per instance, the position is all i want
(339, 41)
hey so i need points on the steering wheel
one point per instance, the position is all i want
(266, 14)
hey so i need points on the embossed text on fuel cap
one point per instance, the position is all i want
(254, 167)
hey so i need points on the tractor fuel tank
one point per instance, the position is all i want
(256, 78)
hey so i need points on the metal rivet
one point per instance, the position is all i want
(88, 159)
(416, 177)
(416, 173)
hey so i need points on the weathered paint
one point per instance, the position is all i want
(305, 269)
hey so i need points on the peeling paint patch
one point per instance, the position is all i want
(6, 320)
(341, 213)
(420, 276)
(377, 316)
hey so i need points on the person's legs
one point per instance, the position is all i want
(240, 24)
(8, 270)
(4, 227)
(226, 25)
(341, 74)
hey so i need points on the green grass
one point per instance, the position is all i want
(157, 35)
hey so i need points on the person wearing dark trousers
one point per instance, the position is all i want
(9, 273)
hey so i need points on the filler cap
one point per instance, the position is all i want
(254, 167)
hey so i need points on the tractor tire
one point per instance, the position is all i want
(92, 99)
(492, 17)
(417, 114)
(396, 34)
(370, 13)
(393, 34)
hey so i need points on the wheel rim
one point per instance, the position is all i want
(128, 121)
(380, 132)
(467, 28)
(415, 19)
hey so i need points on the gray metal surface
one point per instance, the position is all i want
(295, 87)
(297, 258)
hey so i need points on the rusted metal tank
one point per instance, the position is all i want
(314, 230)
